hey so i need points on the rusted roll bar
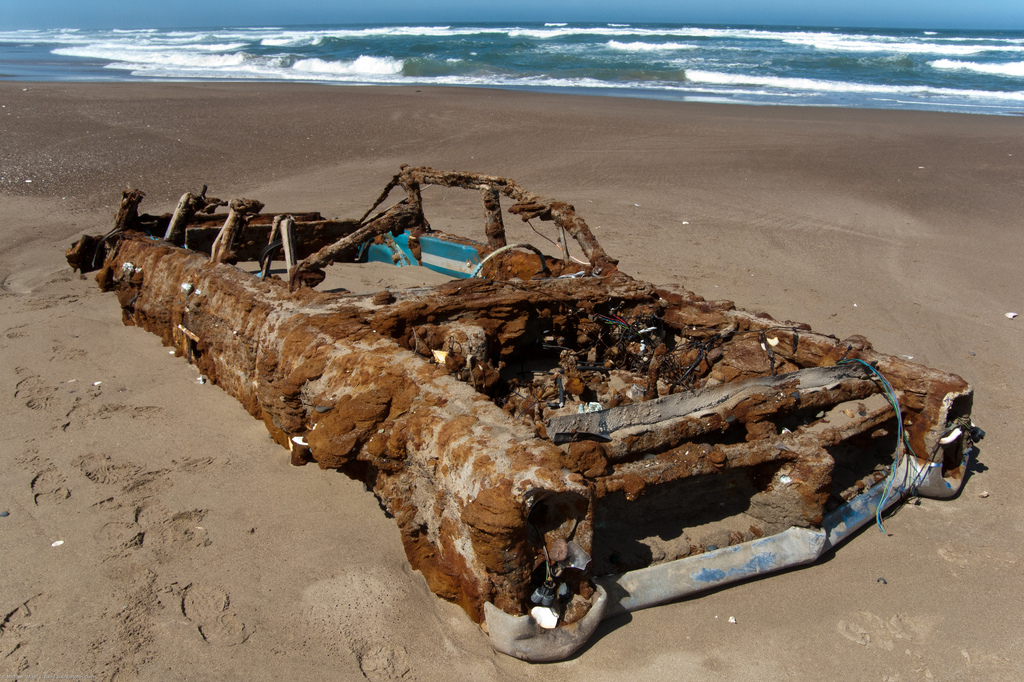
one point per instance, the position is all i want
(410, 216)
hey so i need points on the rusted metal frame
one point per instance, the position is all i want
(629, 419)
(282, 358)
(413, 195)
(241, 210)
(425, 175)
(128, 211)
(399, 217)
(392, 183)
(638, 441)
(811, 348)
(508, 247)
(87, 254)
(282, 399)
(498, 306)
(494, 227)
(528, 206)
(287, 229)
(185, 212)
(271, 248)
(254, 237)
(795, 485)
(566, 218)
(202, 221)
(696, 458)
(931, 399)
(330, 371)
(91, 251)
(673, 580)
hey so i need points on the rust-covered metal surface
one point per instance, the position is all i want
(552, 427)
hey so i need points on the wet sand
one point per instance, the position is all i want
(193, 550)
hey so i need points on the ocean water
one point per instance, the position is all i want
(980, 72)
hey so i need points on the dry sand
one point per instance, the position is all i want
(192, 550)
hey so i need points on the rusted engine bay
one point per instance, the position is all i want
(557, 441)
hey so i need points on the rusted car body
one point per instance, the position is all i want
(556, 441)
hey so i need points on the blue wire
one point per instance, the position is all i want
(901, 440)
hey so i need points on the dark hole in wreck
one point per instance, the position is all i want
(660, 522)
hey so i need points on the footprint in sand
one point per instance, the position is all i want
(383, 662)
(873, 631)
(108, 410)
(104, 470)
(48, 302)
(148, 483)
(35, 393)
(63, 353)
(171, 536)
(364, 608)
(210, 610)
(19, 332)
(964, 556)
(16, 629)
(120, 536)
(192, 464)
(48, 488)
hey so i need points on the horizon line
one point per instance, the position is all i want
(136, 26)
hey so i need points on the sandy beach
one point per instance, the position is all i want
(193, 550)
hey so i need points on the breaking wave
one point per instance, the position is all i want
(962, 71)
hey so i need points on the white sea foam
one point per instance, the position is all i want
(114, 48)
(292, 39)
(830, 42)
(362, 66)
(1012, 69)
(649, 47)
(273, 36)
(135, 56)
(619, 31)
(717, 78)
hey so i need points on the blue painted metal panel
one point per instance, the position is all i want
(449, 258)
(384, 253)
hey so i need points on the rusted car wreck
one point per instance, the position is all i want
(557, 441)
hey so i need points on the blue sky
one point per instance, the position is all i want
(991, 14)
